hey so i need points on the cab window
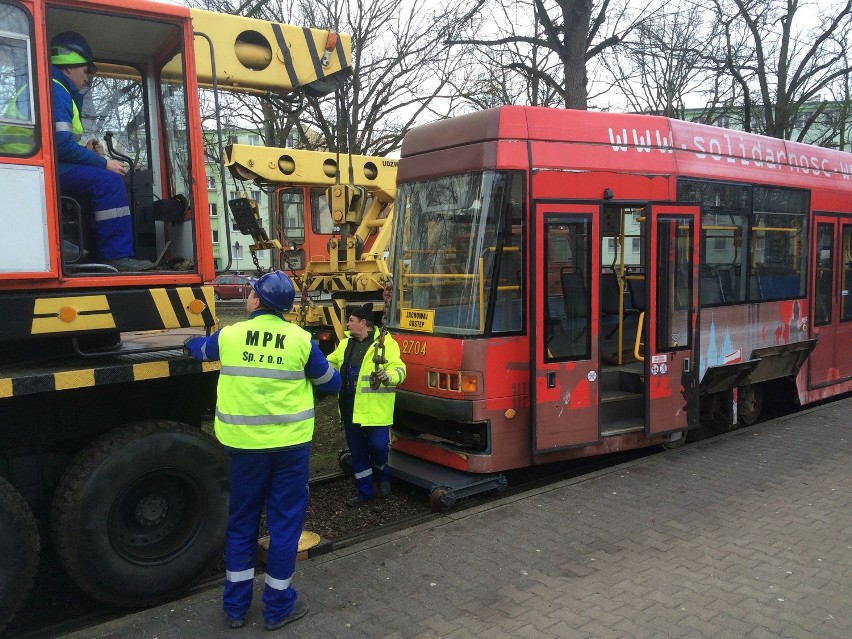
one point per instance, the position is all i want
(17, 100)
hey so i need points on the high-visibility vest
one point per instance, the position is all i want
(264, 399)
(76, 122)
(15, 139)
(373, 407)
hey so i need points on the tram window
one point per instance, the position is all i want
(17, 112)
(754, 241)
(460, 249)
(824, 274)
(846, 284)
(778, 243)
(716, 196)
(674, 281)
(567, 300)
(724, 253)
(724, 229)
(508, 312)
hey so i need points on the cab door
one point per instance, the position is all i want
(671, 318)
(564, 326)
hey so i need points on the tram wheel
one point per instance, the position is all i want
(441, 499)
(141, 512)
(749, 404)
(344, 461)
(19, 547)
(676, 443)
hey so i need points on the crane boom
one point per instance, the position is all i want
(256, 56)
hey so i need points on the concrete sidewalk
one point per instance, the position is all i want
(743, 535)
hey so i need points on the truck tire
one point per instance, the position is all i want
(141, 513)
(19, 549)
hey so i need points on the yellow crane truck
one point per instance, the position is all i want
(100, 413)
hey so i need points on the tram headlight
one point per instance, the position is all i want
(453, 381)
(469, 383)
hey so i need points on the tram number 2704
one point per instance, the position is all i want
(413, 347)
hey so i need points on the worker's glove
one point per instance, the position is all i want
(382, 375)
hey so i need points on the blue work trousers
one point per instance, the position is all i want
(113, 226)
(369, 447)
(278, 479)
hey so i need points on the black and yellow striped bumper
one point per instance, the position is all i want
(33, 315)
(119, 370)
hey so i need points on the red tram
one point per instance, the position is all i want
(571, 283)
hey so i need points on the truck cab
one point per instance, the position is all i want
(145, 107)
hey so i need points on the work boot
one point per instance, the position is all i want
(236, 623)
(130, 264)
(384, 488)
(357, 501)
(299, 611)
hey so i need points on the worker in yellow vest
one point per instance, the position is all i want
(265, 420)
(367, 399)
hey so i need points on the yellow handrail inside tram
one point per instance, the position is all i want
(638, 343)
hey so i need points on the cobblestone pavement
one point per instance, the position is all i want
(744, 535)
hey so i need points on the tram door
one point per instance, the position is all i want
(831, 308)
(564, 340)
(672, 244)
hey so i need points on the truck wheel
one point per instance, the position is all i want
(141, 512)
(19, 548)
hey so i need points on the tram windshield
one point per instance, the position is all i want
(458, 254)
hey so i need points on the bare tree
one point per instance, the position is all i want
(779, 67)
(402, 69)
(662, 62)
(548, 44)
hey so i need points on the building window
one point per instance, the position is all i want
(211, 182)
(723, 121)
(214, 209)
(215, 236)
(254, 140)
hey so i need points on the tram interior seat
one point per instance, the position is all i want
(775, 286)
(711, 291)
(726, 283)
(637, 291)
(610, 301)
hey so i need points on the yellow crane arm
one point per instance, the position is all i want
(256, 56)
(298, 167)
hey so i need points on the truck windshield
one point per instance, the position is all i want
(458, 254)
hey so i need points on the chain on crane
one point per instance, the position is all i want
(379, 359)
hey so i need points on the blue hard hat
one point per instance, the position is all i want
(275, 290)
(70, 49)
